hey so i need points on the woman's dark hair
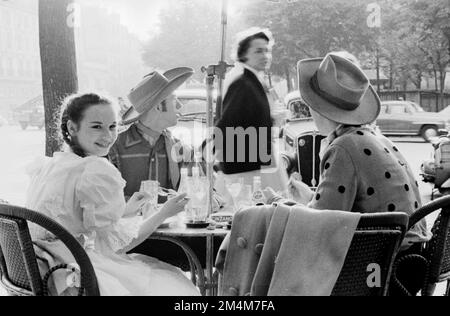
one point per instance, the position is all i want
(244, 45)
(74, 108)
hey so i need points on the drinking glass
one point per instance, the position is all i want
(244, 199)
(150, 187)
(234, 187)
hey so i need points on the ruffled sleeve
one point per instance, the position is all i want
(36, 166)
(101, 197)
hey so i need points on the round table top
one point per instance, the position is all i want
(183, 231)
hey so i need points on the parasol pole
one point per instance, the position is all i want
(212, 72)
(221, 76)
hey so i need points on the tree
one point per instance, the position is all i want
(189, 36)
(306, 29)
(58, 62)
(429, 20)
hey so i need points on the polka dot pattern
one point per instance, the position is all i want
(361, 172)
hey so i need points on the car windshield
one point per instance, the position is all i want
(398, 109)
(416, 107)
(299, 110)
(192, 106)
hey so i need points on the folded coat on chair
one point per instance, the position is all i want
(294, 251)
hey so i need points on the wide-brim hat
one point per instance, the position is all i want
(152, 90)
(338, 89)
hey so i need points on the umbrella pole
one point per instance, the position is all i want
(212, 72)
(221, 76)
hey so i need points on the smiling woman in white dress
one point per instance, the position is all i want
(84, 192)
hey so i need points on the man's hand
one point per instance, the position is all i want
(299, 190)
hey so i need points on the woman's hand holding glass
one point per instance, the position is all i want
(174, 205)
(136, 203)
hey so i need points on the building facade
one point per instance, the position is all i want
(20, 73)
(109, 57)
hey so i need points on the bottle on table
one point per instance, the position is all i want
(258, 196)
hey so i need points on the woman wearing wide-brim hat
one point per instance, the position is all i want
(361, 171)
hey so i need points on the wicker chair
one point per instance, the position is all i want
(437, 251)
(376, 241)
(20, 274)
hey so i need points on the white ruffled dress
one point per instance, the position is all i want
(85, 195)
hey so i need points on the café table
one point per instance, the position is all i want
(175, 233)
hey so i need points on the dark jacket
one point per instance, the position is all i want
(245, 105)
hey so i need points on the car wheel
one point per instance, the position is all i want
(429, 132)
(24, 125)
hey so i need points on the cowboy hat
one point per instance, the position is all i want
(338, 89)
(152, 90)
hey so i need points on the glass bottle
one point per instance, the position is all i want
(258, 196)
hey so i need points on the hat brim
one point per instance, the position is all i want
(132, 115)
(366, 113)
(176, 72)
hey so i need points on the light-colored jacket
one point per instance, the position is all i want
(362, 171)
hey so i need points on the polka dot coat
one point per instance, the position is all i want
(364, 172)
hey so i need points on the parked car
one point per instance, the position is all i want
(445, 111)
(191, 127)
(407, 118)
(30, 113)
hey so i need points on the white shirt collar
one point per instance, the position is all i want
(259, 74)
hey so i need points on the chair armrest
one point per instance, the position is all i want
(436, 205)
(396, 282)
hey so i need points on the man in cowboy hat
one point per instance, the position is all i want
(361, 171)
(144, 150)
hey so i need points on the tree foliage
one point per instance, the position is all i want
(306, 29)
(415, 42)
(412, 42)
(189, 36)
